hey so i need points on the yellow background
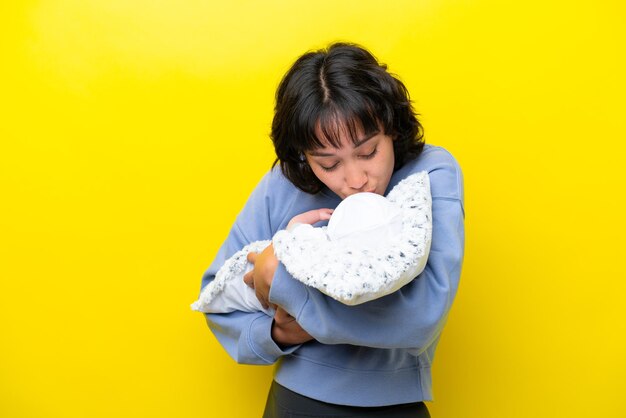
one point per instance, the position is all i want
(133, 131)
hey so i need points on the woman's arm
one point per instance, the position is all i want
(410, 317)
(265, 262)
(247, 336)
(413, 316)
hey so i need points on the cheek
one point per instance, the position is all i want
(332, 180)
(329, 179)
(322, 176)
(389, 157)
(385, 162)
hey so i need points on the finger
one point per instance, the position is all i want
(261, 299)
(252, 257)
(248, 279)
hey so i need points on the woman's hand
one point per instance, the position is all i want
(261, 276)
(286, 331)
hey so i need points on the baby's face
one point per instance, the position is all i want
(350, 169)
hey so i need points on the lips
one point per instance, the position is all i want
(363, 191)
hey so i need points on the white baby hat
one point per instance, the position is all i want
(365, 221)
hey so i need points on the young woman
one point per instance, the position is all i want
(344, 125)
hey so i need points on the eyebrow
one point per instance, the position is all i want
(358, 144)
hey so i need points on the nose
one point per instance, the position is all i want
(355, 176)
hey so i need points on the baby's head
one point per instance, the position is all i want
(365, 220)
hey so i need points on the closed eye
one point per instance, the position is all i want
(331, 168)
(371, 154)
(365, 157)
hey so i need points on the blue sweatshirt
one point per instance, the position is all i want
(373, 354)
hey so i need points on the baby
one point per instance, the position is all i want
(372, 246)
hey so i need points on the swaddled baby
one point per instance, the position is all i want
(372, 246)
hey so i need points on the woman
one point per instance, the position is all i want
(344, 125)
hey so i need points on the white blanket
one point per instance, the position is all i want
(372, 246)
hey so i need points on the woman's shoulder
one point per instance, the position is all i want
(446, 176)
(268, 207)
(281, 199)
(275, 183)
(433, 156)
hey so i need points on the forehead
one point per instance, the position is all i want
(339, 133)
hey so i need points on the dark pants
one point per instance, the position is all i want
(284, 403)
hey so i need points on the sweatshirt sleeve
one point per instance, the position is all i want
(246, 336)
(411, 317)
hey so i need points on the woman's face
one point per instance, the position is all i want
(365, 167)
